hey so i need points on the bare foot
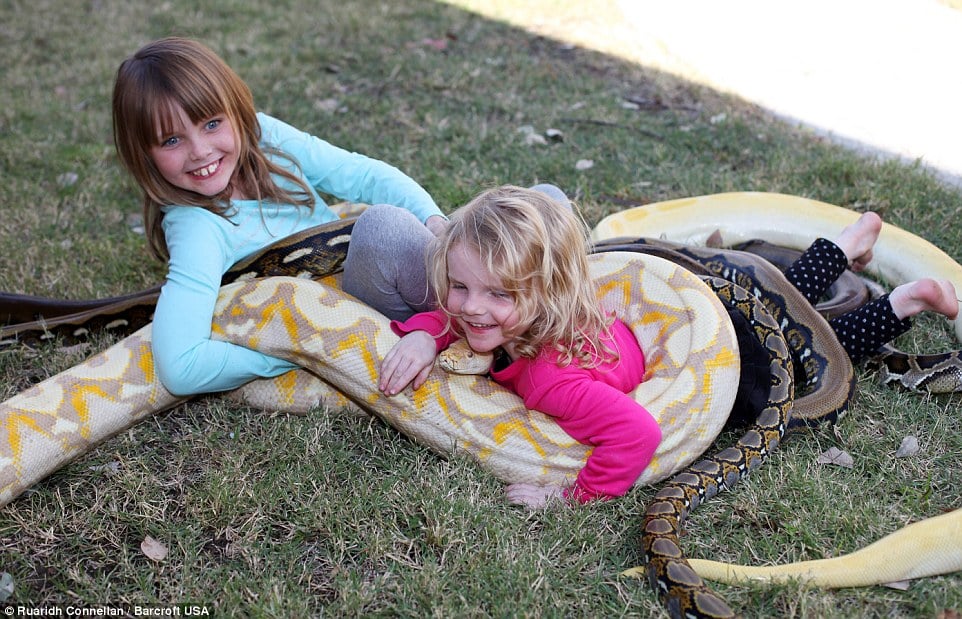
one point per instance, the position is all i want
(857, 240)
(925, 295)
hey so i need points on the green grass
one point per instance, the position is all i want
(335, 515)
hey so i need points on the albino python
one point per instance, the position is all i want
(925, 548)
(339, 341)
(678, 320)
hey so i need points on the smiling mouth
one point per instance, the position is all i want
(206, 170)
(478, 326)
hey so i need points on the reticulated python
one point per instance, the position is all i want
(935, 373)
(64, 416)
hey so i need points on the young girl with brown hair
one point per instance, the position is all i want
(221, 181)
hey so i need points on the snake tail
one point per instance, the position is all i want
(926, 548)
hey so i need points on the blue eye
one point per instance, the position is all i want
(171, 141)
(213, 124)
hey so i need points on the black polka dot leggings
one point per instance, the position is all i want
(861, 331)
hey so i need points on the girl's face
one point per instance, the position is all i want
(485, 313)
(199, 157)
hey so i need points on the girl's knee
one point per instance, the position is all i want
(386, 219)
(553, 192)
(383, 230)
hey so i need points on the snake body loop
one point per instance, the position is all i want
(792, 222)
(931, 372)
(669, 573)
(823, 370)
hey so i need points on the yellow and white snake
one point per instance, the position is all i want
(339, 341)
(923, 548)
(677, 318)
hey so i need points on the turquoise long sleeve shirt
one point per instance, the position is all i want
(203, 246)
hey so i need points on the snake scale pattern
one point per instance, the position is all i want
(338, 342)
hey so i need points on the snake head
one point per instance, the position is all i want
(459, 358)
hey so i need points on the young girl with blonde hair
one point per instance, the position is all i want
(221, 181)
(511, 273)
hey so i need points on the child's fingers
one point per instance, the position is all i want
(396, 381)
(393, 370)
(403, 371)
(522, 494)
(422, 376)
(532, 495)
(388, 367)
(409, 360)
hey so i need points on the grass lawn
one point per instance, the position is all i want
(331, 514)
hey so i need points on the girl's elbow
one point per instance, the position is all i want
(656, 435)
(177, 384)
(648, 431)
(176, 377)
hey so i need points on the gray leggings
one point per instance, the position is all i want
(386, 264)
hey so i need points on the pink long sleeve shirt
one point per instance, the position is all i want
(593, 405)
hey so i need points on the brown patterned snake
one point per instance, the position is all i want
(339, 342)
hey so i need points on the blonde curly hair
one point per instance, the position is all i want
(538, 249)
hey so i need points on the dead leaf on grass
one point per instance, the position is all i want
(437, 44)
(6, 586)
(109, 467)
(67, 179)
(534, 139)
(329, 105)
(909, 447)
(75, 348)
(834, 455)
(153, 550)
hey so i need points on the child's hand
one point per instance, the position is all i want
(436, 224)
(533, 496)
(409, 362)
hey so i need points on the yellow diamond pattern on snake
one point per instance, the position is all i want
(341, 341)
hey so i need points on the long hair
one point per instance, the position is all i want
(539, 251)
(181, 72)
